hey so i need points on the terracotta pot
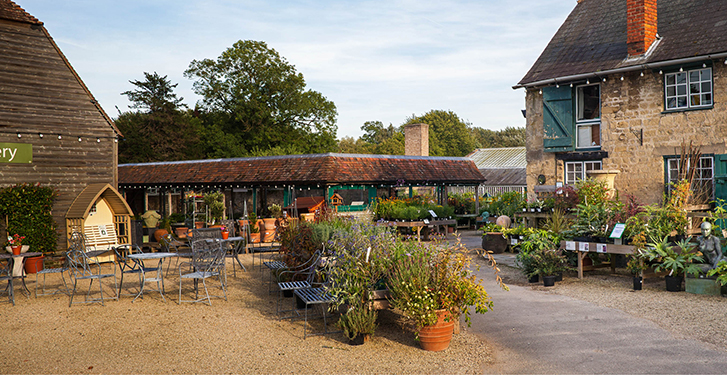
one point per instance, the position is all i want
(450, 229)
(254, 237)
(181, 232)
(436, 337)
(269, 224)
(199, 224)
(269, 236)
(16, 249)
(159, 233)
(34, 264)
(225, 235)
(242, 223)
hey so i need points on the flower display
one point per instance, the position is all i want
(16, 240)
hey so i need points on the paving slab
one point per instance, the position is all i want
(540, 332)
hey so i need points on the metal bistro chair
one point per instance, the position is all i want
(318, 295)
(6, 274)
(82, 268)
(135, 267)
(46, 271)
(172, 245)
(204, 265)
(300, 277)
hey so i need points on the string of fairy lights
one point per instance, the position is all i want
(25, 135)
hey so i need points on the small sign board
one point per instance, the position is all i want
(570, 245)
(102, 230)
(513, 241)
(426, 221)
(583, 246)
(601, 248)
(434, 215)
(16, 153)
(618, 230)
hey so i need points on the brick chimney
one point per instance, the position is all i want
(416, 140)
(640, 26)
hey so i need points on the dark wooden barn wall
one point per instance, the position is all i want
(40, 94)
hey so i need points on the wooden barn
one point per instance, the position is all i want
(52, 129)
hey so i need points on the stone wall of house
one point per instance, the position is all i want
(629, 107)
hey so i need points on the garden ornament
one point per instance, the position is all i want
(710, 247)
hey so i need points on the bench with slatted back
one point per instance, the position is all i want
(101, 237)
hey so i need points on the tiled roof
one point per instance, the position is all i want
(11, 11)
(505, 157)
(593, 37)
(305, 169)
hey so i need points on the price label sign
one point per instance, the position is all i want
(513, 241)
(570, 245)
(433, 214)
(601, 248)
(618, 230)
(583, 246)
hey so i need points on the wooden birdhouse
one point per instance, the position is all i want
(336, 200)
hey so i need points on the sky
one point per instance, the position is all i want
(376, 60)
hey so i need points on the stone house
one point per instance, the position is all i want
(621, 86)
(52, 130)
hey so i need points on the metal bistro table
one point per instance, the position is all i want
(237, 244)
(18, 271)
(139, 258)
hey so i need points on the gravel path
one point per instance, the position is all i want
(241, 335)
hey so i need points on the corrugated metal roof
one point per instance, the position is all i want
(504, 176)
(495, 158)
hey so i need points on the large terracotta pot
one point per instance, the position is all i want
(436, 337)
(159, 233)
(254, 237)
(16, 249)
(34, 264)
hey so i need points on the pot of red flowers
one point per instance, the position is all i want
(225, 233)
(16, 243)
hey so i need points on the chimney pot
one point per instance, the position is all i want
(416, 140)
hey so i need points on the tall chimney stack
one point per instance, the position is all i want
(641, 25)
(416, 140)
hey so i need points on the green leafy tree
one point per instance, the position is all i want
(448, 134)
(508, 137)
(161, 130)
(259, 100)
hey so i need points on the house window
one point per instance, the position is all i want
(703, 180)
(576, 170)
(689, 89)
(588, 116)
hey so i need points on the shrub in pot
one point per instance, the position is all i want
(677, 263)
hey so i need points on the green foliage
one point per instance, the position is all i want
(424, 279)
(534, 256)
(252, 218)
(163, 131)
(720, 272)
(215, 201)
(592, 192)
(358, 320)
(677, 263)
(298, 244)
(491, 228)
(176, 218)
(508, 137)
(506, 204)
(409, 209)
(557, 223)
(28, 208)
(464, 203)
(256, 98)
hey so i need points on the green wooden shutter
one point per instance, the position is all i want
(558, 118)
(720, 176)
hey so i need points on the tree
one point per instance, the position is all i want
(508, 137)
(162, 132)
(260, 101)
(448, 134)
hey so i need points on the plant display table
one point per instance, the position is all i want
(583, 248)
(418, 225)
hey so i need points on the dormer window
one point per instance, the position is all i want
(688, 89)
(588, 120)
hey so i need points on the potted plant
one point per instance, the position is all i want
(636, 264)
(721, 272)
(358, 323)
(548, 263)
(215, 201)
(254, 229)
(677, 263)
(537, 241)
(433, 285)
(164, 228)
(16, 243)
(493, 238)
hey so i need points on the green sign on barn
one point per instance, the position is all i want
(16, 153)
